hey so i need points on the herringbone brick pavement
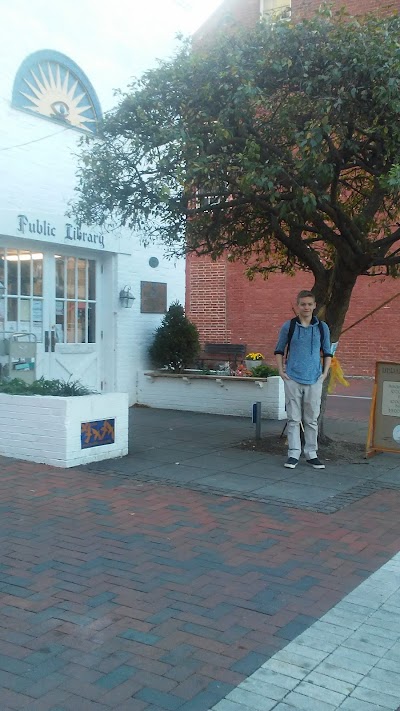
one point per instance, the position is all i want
(117, 594)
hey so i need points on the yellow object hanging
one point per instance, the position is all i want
(336, 376)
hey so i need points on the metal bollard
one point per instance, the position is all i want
(256, 418)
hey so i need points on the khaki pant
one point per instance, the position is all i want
(303, 404)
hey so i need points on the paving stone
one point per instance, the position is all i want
(352, 704)
(380, 698)
(273, 677)
(257, 685)
(328, 682)
(14, 666)
(374, 637)
(290, 670)
(248, 664)
(207, 698)
(388, 664)
(142, 637)
(305, 703)
(317, 640)
(321, 693)
(382, 682)
(227, 705)
(290, 657)
(336, 671)
(296, 627)
(328, 629)
(358, 662)
(304, 650)
(255, 701)
(348, 620)
(164, 701)
(116, 677)
(369, 648)
(43, 686)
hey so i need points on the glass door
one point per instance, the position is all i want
(21, 280)
(54, 298)
(22, 309)
(75, 305)
(74, 339)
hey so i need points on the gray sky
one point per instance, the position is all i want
(111, 40)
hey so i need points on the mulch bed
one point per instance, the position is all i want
(329, 450)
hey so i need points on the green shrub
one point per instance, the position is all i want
(62, 388)
(263, 371)
(176, 342)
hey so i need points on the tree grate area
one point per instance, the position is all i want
(332, 451)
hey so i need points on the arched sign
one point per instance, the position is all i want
(49, 84)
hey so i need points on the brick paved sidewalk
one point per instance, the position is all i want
(121, 594)
(200, 452)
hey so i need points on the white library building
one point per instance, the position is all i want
(88, 301)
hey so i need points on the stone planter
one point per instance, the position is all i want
(64, 431)
(253, 363)
(220, 395)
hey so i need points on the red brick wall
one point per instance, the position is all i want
(247, 12)
(256, 311)
(305, 8)
(229, 12)
(228, 308)
(206, 298)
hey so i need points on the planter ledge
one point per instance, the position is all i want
(214, 394)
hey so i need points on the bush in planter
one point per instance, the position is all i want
(62, 388)
(263, 371)
(176, 342)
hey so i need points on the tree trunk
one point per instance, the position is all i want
(333, 299)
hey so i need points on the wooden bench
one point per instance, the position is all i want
(232, 352)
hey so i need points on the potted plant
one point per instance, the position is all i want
(253, 359)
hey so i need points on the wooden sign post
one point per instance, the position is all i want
(384, 420)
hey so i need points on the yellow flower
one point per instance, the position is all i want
(254, 356)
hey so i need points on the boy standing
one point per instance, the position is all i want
(303, 377)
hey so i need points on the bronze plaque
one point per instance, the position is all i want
(153, 297)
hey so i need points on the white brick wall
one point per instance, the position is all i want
(208, 393)
(133, 330)
(48, 429)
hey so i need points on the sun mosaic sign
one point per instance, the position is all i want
(51, 85)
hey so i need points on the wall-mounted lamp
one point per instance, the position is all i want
(126, 299)
(2, 290)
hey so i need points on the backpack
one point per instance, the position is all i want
(292, 326)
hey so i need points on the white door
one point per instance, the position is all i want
(56, 297)
(72, 338)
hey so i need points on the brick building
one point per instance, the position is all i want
(228, 308)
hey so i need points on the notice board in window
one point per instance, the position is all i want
(384, 422)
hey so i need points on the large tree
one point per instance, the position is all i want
(278, 145)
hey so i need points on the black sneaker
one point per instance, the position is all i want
(315, 463)
(291, 463)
